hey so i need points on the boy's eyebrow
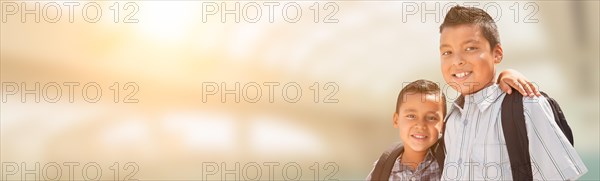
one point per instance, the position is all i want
(444, 45)
(463, 43)
(410, 110)
(470, 41)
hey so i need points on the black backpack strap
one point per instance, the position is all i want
(439, 150)
(386, 162)
(515, 135)
(560, 119)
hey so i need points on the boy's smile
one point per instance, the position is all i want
(468, 62)
(460, 76)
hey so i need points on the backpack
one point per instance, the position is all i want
(385, 164)
(386, 161)
(515, 134)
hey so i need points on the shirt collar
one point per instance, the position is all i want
(423, 165)
(482, 98)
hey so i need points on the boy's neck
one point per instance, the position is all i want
(475, 92)
(413, 158)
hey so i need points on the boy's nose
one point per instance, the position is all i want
(420, 124)
(458, 60)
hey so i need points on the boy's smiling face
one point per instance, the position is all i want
(419, 120)
(468, 62)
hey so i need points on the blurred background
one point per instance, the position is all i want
(154, 83)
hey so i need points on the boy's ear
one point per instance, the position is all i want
(395, 119)
(498, 53)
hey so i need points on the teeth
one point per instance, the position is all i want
(419, 136)
(462, 74)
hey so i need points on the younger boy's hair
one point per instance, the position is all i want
(424, 87)
(459, 15)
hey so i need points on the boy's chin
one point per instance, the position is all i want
(466, 90)
(418, 148)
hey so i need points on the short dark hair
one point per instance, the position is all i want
(424, 87)
(459, 15)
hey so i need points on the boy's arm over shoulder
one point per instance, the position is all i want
(552, 156)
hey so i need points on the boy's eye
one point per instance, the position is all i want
(446, 53)
(432, 118)
(411, 116)
(471, 48)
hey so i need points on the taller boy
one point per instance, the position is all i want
(475, 146)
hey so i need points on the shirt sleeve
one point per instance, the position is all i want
(552, 155)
